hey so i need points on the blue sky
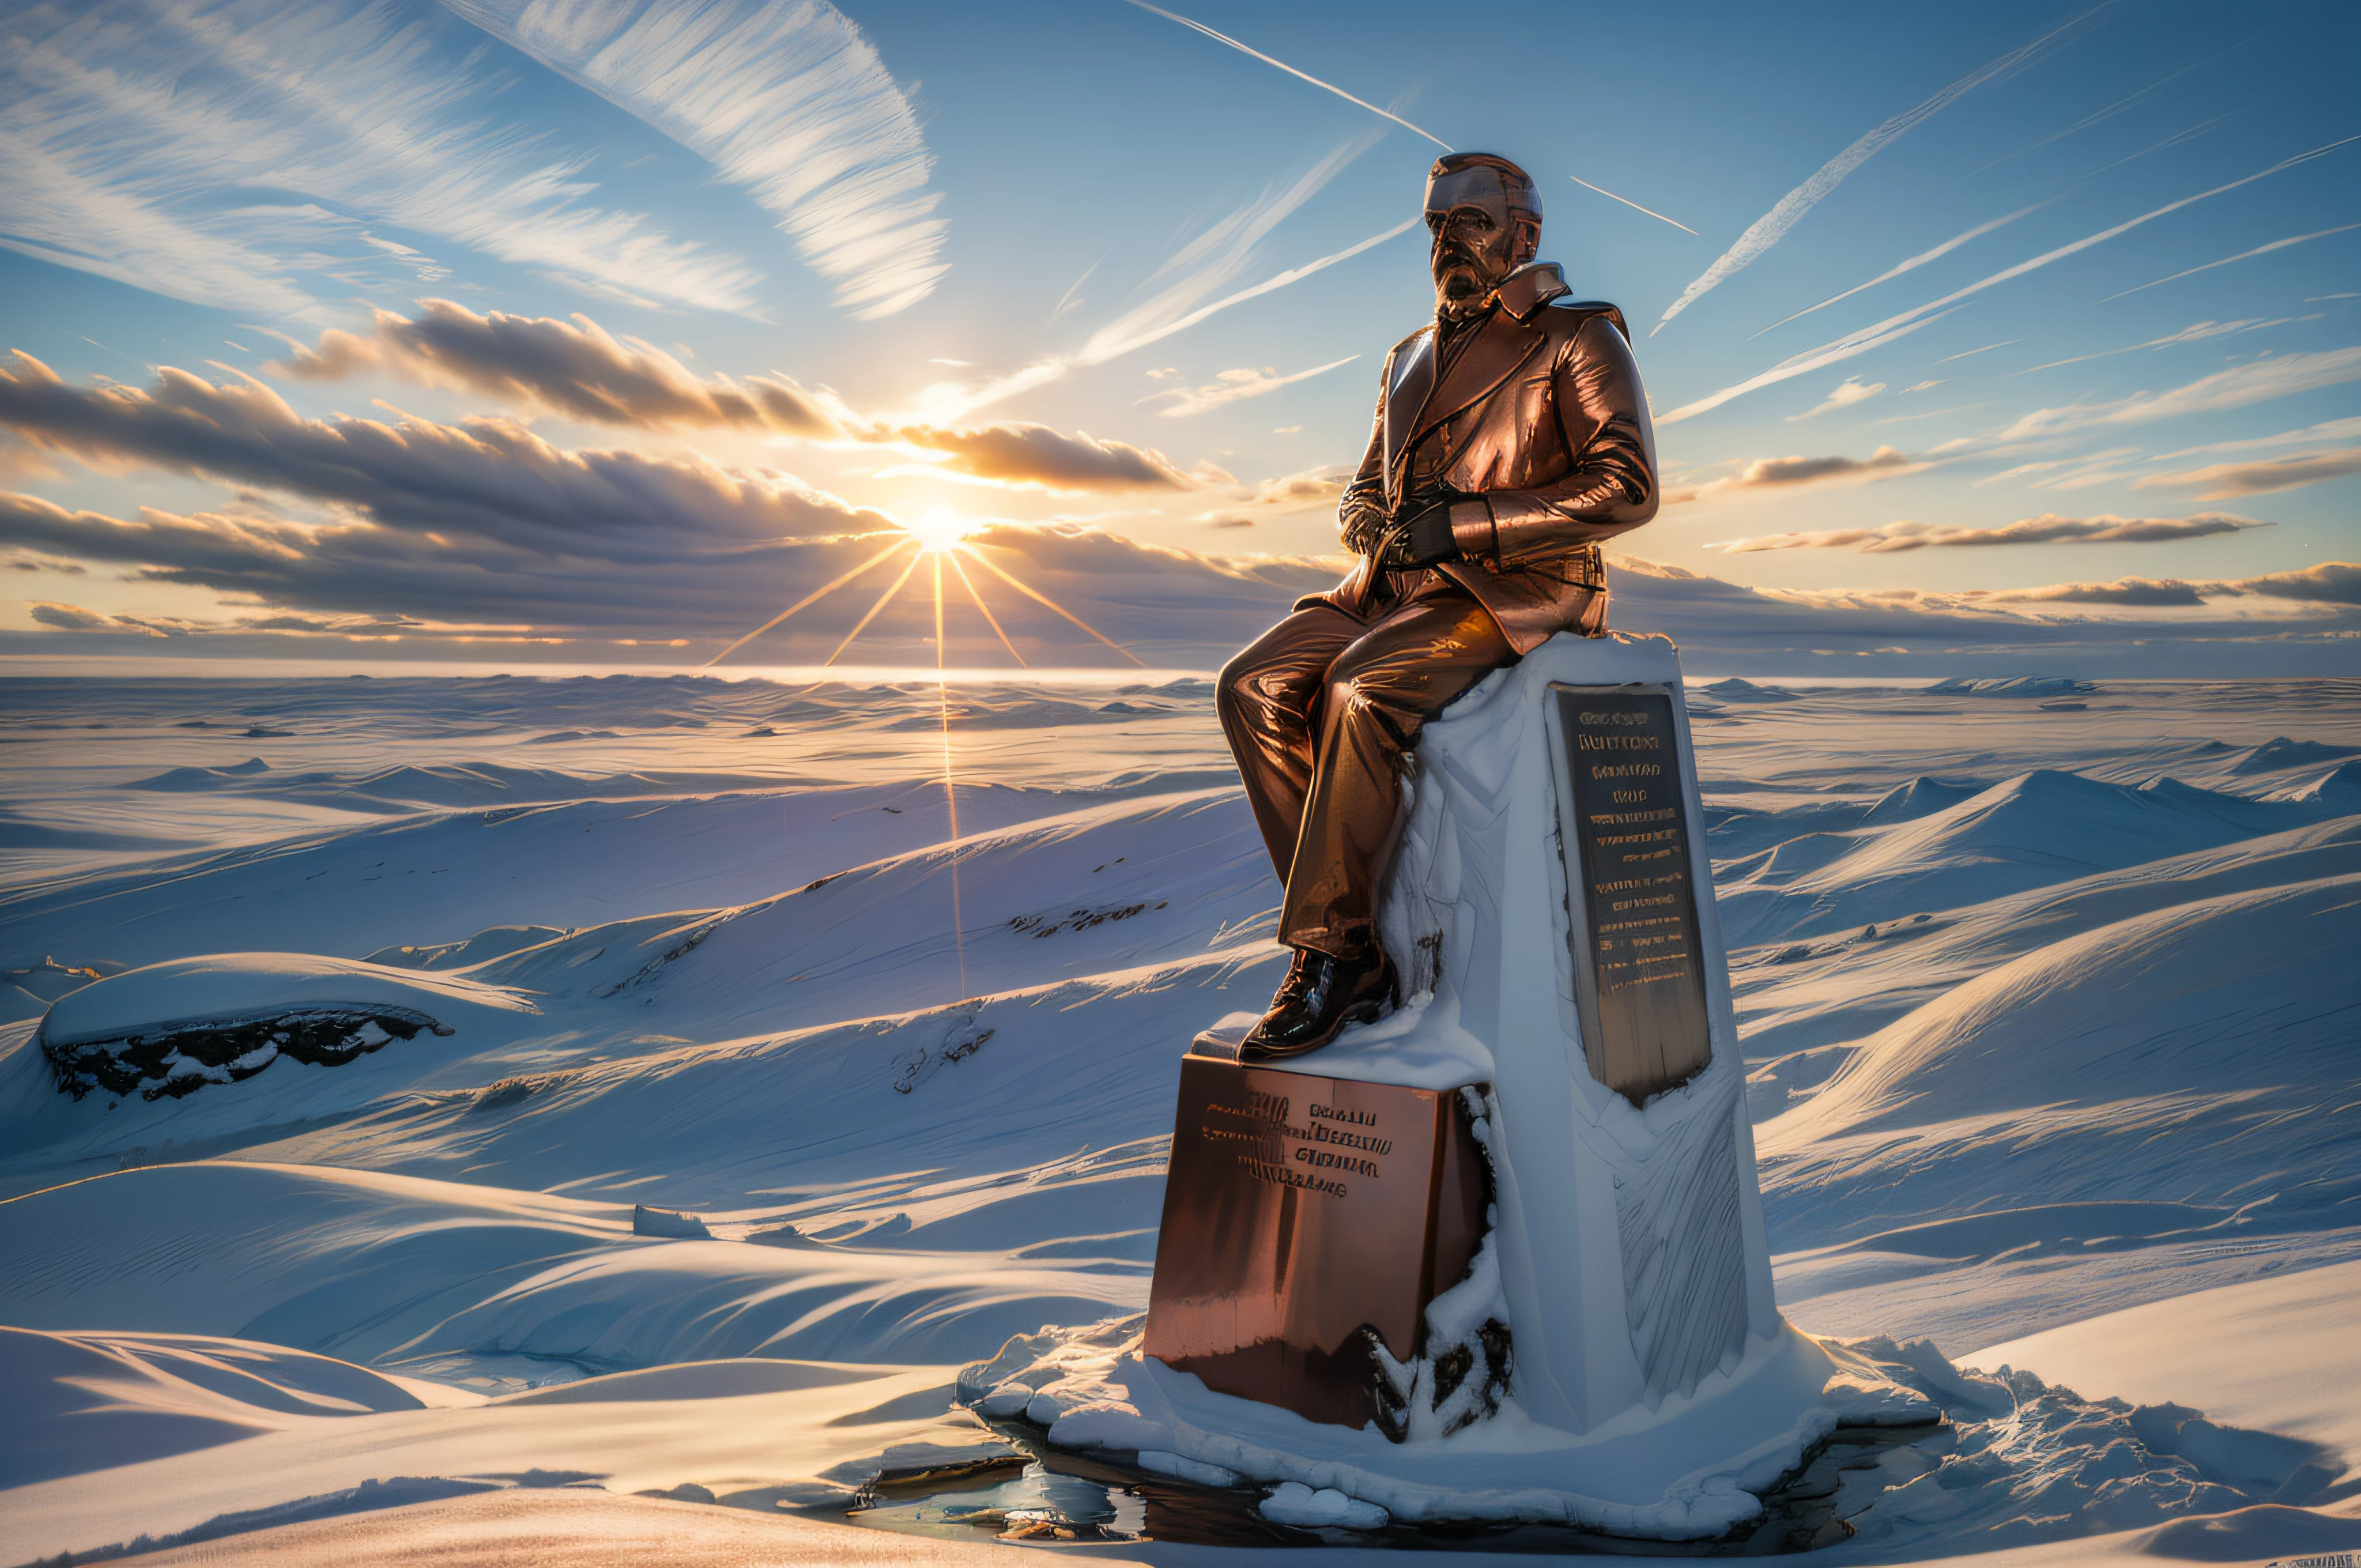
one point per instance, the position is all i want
(959, 241)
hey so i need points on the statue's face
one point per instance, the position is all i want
(1473, 252)
(1477, 242)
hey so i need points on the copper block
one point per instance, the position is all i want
(1298, 1211)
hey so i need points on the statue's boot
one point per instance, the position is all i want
(1320, 995)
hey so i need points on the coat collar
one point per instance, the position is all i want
(1531, 287)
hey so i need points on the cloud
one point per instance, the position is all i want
(2224, 481)
(1309, 490)
(73, 617)
(1216, 256)
(2330, 582)
(1847, 392)
(1301, 492)
(1038, 456)
(231, 156)
(1911, 265)
(399, 587)
(1866, 338)
(2046, 529)
(1772, 226)
(2158, 593)
(371, 591)
(786, 98)
(1781, 475)
(1230, 386)
(2195, 332)
(487, 479)
(578, 369)
(573, 369)
(2281, 376)
(2258, 250)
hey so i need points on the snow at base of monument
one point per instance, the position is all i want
(2015, 1462)
(1731, 1441)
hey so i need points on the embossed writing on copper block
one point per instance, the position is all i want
(1639, 980)
(1298, 1211)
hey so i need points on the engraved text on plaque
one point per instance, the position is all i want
(1639, 972)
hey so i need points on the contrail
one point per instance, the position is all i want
(1920, 260)
(1869, 337)
(1626, 201)
(2258, 250)
(2118, 106)
(1387, 114)
(1773, 225)
(1097, 353)
(1323, 87)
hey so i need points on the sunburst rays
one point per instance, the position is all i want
(943, 536)
(934, 540)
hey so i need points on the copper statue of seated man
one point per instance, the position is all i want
(1511, 437)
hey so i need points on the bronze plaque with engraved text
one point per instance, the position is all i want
(1639, 964)
(1297, 1210)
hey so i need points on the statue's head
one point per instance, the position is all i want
(1486, 218)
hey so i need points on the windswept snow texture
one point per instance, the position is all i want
(2050, 1006)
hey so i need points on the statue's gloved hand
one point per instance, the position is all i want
(1426, 538)
(1363, 529)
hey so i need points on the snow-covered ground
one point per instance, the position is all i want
(469, 988)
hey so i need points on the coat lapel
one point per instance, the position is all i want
(1412, 382)
(1501, 346)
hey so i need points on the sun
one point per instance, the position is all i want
(940, 529)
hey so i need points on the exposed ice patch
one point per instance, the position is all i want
(1291, 1502)
(2012, 687)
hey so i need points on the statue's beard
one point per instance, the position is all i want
(1462, 284)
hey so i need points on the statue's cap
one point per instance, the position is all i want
(1483, 180)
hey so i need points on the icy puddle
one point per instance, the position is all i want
(1061, 1498)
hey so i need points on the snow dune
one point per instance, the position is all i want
(690, 965)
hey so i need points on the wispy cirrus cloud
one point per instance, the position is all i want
(2281, 376)
(2047, 528)
(1214, 258)
(787, 98)
(1231, 386)
(230, 154)
(1910, 264)
(578, 369)
(1772, 226)
(1203, 269)
(1866, 338)
(1843, 395)
(2242, 256)
(2197, 332)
